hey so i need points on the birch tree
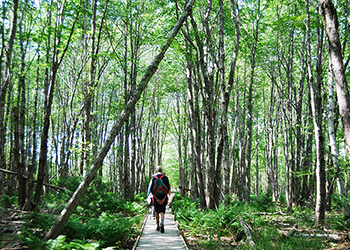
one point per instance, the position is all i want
(330, 21)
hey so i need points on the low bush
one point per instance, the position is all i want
(101, 217)
(221, 228)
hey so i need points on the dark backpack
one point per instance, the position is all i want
(159, 188)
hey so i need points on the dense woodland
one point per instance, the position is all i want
(232, 98)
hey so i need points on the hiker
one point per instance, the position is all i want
(160, 189)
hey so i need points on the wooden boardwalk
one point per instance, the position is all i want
(153, 239)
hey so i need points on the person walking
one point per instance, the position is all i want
(160, 189)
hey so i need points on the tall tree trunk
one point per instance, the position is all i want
(56, 61)
(308, 180)
(316, 104)
(223, 147)
(221, 182)
(32, 165)
(78, 194)
(207, 70)
(300, 138)
(18, 166)
(246, 176)
(333, 145)
(330, 21)
(179, 130)
(191, 124)
(196, 174)
(198, 146)
(89, 94)
(6, 78)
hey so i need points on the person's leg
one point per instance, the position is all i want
(157, 220)
(162, 215)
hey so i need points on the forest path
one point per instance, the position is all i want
(152, 239)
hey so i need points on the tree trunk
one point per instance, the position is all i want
(78, 194)
(32, 165)
(6, 78)
(308, 180)
(207, 69)
(18, 166)
(333, 145)
(246, 176)
(89, 92)
(316, 104)
(330, 21)
(48, 101)
(300, 138)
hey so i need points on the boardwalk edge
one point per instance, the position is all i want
(142, 228)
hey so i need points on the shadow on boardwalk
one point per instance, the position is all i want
(153, 239)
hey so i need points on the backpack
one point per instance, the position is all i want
(159, 188)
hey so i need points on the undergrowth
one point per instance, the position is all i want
(221, 228)
(102, 220)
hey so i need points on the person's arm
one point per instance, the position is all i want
(151, 186)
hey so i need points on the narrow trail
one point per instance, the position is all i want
(152, 239)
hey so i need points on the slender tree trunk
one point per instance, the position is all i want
(220, 179)
(89, 94)
(308, 180)
(6, 78)
(48, 102)
(206, 66)
(18, 166)
(300, 138)
(246, 176)
(198, 146)
(316, 101)
(32, 165)
(191, 120)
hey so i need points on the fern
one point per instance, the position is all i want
(7, 201)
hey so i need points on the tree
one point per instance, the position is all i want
(56, 61)
(330, 21)
(317, 110)
(73, 202)
(6, 78)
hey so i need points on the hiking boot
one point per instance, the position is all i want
(158, 228)
(162, 229)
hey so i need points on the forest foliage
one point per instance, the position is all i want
(250, 100)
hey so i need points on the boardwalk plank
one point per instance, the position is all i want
(152, 239)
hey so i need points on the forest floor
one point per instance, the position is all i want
(330, 239)
(11, 223)
(326, 238)
(10, 226)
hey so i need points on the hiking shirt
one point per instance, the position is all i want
(165, 181)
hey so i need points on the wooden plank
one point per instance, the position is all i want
(153, 239)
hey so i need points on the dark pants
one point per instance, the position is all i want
(160, 208)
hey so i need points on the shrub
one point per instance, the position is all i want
(8, 202)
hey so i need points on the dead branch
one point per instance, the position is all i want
(25, 177)
(246, 231)
(290, 233)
